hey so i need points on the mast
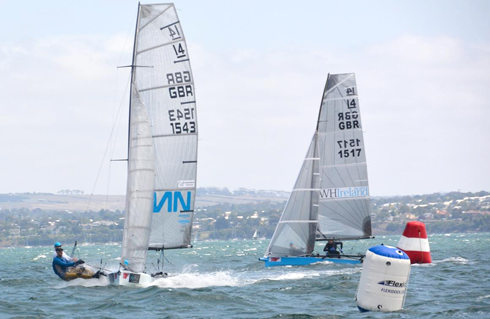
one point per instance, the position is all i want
(132, 75)
(141, 175)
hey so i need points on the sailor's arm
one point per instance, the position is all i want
(69, 258)
(60, 262)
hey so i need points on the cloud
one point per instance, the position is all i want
(423, 101)
(58, 108)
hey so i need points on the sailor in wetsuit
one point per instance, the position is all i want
(61, 264)
(331, 248)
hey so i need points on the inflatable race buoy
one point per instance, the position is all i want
(415, 244)
(384, 279)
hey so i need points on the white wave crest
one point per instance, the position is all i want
(198, 280)
(85, 283)
(39, 257)
(456, 260)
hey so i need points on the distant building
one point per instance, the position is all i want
(476, 212)
(14, 232)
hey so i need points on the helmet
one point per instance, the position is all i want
(57, 244)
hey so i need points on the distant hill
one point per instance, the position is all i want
(77, 201)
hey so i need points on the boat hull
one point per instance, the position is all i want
(307, 260)
(131, 279)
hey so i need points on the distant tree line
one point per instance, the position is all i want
(442, 213)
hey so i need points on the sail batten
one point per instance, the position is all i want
(340, 98)
(176, 40)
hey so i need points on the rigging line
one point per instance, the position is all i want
(106, 149)
(123, 51)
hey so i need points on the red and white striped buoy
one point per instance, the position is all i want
(415, 244)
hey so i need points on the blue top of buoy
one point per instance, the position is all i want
(388, 251)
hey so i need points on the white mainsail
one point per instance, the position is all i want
(344, 196)
(163, 139)
(331, 194)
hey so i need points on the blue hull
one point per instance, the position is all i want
(302, 261)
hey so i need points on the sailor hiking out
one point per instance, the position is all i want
(70, 268)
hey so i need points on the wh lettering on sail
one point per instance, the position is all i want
(346, 192)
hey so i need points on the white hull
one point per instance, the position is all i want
(130, 279)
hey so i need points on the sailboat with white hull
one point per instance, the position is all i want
(330, 199)
(162, 153)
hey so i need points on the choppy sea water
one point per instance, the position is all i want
(224, 279)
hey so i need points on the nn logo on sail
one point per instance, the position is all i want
(346, 192)
(173, 201)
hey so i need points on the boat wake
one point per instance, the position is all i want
(296, 275)
(199, 280)
(85, 283)
(196, 280)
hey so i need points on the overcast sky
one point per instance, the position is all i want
(422, 70)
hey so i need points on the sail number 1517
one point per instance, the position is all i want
(353, 144)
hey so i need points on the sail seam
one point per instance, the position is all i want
(170, 6)
(348, 97)
(356, 210)
(160, 45)
(345, 165)
(297, 221)
(172, 189)
(336, 85)
(163, 87)
(168, 135)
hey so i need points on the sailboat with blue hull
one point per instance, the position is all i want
(330, 199)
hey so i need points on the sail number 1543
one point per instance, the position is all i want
(182, 121)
